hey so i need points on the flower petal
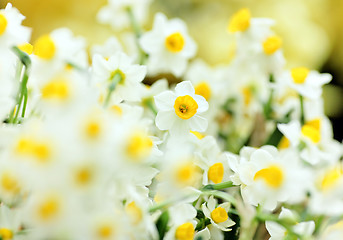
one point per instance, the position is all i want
(165, 120)
(184, 88)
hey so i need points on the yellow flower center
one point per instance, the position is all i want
(84, 175)
(331, 178)
(175, 42)
(49, 208)
(57, 89)
(272, 44)
(187, 174)
(139, 145)
(3, 24)
(216, 173)
(299, 74)
(185, 107)
(219, 215)
(26, 47)
(93, 129)
(284, 143)
(119, 73)
(204, 90)
(185, 232)
(5, 233)
(9, 182)
(311, 133)
(315, 123)
(240, 21)
(44, 47)
(273, 176)
(105, 231)
(247, 95)
(29, 147)
(134, 212)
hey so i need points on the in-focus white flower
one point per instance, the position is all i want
(182, 223)
(180, 111)
(118, 71)
(218, 215)
(12, 33)
(307, 83)
(116, 12)
(278, 232)
(169, 46)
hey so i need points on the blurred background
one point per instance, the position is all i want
(312, 31)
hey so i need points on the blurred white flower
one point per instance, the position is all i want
(169, 46)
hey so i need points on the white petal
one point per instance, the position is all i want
(202, 103)
(184, 88)
(198, 123)
(165, 120)
(165, 101)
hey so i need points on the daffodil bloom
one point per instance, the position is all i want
(169, 46)
(180, 112)
(218, 214)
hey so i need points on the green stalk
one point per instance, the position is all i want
(115, 80)
(138, 32)
(218, 186)
(302, 116)
(25, 62)
(219, 194)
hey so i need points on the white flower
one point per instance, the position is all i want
(183, 224)
(218, 215)
(120, 68)
(314, 139)
(278, 232)
(110, 47)
(180, 112)
(9, 222)
(61, 45)
(12, 32)
(327, 190)
(307, 83)
(116, 12)
(268, 177)
(169, 46)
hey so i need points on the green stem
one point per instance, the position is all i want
(151, 106)
(115, 80)
(218, 186)
(25, 103)
(22, 93)
(302, 116)
(219, 194)
(138, 32)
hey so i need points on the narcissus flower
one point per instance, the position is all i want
(180, 111)
(268, 177)
(306, 82)
(218, 215)
(169, 46)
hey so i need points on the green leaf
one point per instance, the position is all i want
(162, 224)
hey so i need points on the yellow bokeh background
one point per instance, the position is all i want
(312, 30)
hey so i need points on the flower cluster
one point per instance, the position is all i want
(89, 150)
